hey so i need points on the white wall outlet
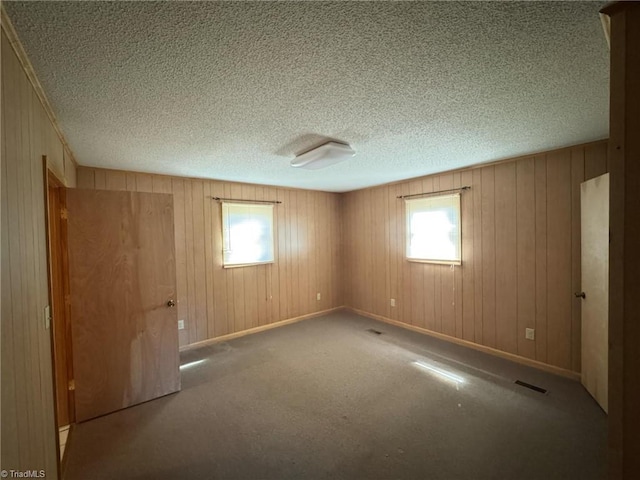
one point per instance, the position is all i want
(393, 302)
(180, 324)
(529, 334)
(318, 296)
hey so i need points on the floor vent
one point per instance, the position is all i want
(373, 330)
(532, 387)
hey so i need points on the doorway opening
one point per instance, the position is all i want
(60, 307)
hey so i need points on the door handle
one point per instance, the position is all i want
(580, 295)
(171, 303)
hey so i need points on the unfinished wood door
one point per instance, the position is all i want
(594, 197)
(122, 285)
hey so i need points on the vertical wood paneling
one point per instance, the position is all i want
(520, 243)
(116, 181)
(27, 415)
(177, 189)
(70, 171)
(379, 254)
(526, 251)
(100, 180)
(559, 293)
(392, 232)
(131, 181)
(488, 258)
(477, 257)
(191, 327)
(303, 243)
(506, 257)
(313, 248)
(144, 182)
(199, 273)
(540, 180)
(86, 178)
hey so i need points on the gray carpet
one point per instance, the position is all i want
(326, 398)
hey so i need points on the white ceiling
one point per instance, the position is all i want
(234, 90)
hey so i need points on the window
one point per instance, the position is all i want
(247, 232)
(433, 229)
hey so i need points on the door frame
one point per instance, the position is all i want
(58, 292)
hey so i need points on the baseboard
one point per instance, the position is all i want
(492, 351)
(262, 328)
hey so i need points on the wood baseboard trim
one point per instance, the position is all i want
(262, 328)
(465, 343)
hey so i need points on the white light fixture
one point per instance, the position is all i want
(323, 156)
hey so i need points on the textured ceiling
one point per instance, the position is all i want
(234, 90)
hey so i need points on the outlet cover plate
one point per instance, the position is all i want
(529, 334)
(180, 324)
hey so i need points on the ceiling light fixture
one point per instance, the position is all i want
(323, 156)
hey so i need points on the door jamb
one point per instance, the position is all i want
(51, 180)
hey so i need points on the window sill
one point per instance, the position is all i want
(240, 265)
(436, 262)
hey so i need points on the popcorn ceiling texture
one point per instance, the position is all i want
(234, 90)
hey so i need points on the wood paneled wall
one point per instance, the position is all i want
(520, 247)
(215, 301)
(27, 415)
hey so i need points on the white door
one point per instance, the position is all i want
(594, 209)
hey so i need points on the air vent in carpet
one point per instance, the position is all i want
(373, 330)
(532, 387)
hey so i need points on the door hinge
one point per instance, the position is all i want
(64, 214)
(72, 385)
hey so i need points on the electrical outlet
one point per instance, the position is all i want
(529, 334)
(180, 324)
(318, 296)
(393, 302)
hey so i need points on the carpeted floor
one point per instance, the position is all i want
(326, 398)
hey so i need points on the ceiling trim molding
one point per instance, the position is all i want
(14, 41)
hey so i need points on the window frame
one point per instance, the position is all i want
(225, 235)
(408, 231)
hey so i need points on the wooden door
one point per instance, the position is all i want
(122, 282)
(594, 197)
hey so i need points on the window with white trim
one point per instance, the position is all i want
(247, 232)
(433, 229)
